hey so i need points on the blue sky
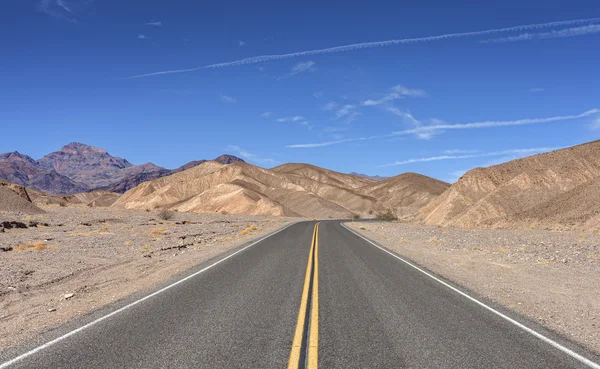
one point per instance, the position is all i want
(434, 87)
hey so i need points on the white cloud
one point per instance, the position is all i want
(436, 128)
(266, 114)
(66, 10)
(252, 157)
(154, 24)
(347, 112)
(536, 89)
(318, 95)
(241, 43)
(595, 125)
(376, 44)
(308, 66)
(228, 99)
(295, 118)
(141, 37)
(395, 93)
(330, 106)
(514, 152)
(459, 151)
(569, 32)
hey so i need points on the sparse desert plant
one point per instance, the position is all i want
(253, 227)
(166, 214)
(370, 212)
(363, 228)
(224, 212)
(355, 216)
(387, 215)
(244, 231)
(159, 231)
(32, 246)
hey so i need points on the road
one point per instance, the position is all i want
(308, 295)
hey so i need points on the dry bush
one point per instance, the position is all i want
(387, 215)
(166, 214)
(32, 246)
(253, 227)
(244, 231)
(355, 216)
(159, 231)
(224, 212)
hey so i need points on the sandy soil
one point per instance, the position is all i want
(551, 277)
(101, 256)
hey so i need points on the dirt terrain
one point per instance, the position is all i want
(73, 260)
(551, 277)
(558, 190)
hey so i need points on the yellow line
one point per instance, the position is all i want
(294, 360)
(313, 343)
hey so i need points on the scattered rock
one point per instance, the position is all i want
(87, 224)
(51, 310)
(6, 249)
(68, 296)
(13, 224)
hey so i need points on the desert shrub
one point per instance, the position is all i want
(165, 214)
(387, 215)
(355, 216)
(370, 212)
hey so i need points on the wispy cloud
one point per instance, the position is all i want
(330, 106)
(228, 99)
(252, 157)
(241, 43)
(536, 89)
(296, 118)
(63, 9)
(266, 114)
(395, 93)
(459, 151)
(569, 32)
(347, 112)
(307, 66)
(368, 45)
(516, 152)
(436, 128)
(154, 24)
(318, 95)
(141, 37)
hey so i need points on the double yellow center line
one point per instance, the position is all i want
(305, 347)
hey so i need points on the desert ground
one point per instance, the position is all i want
(72, 260)
(550, 277)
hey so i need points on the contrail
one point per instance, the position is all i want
(368, 45)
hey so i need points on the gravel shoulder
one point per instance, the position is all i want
(79, 259)
(550, 277)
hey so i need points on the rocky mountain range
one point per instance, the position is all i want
(78, 168)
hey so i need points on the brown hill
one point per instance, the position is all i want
(15, 199)
(406, 193)
(97, 198)
(553, 190)
(291, 189)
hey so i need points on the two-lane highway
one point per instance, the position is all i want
(310, 295)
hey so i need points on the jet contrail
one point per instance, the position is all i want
(368, 45)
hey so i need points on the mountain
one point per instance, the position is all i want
(375, 178)
(134, 179)
(406, 193)
(559, 190)
(23, 170)
(290, 189)
(77, 167)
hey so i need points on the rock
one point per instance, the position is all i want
(68, 296)
(7, 248)
(51, 310)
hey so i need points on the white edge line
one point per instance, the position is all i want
(549, 341)
(92, 323)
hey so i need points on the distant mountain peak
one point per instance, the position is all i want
(377, 178)
(228, 159)
(78, 147)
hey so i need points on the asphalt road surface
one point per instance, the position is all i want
(308, 295)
